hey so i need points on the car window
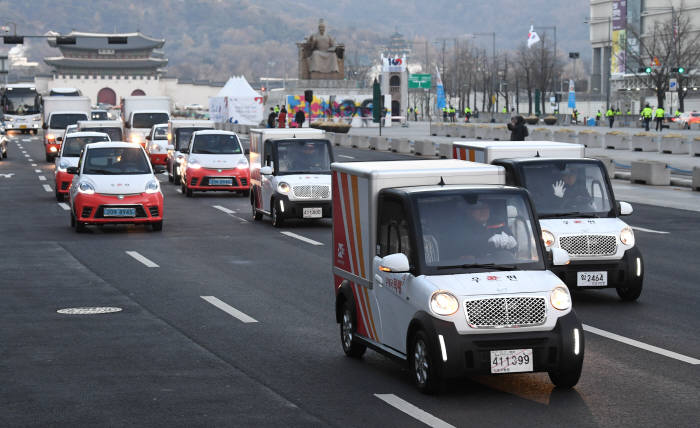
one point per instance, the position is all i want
(147, 120)
(160, 133)
(116, 161)
(216, 144)
(60, 121)
(394, 234)
(115, 134)
(73, 145)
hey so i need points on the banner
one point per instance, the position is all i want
(572, 94)
(393, 64)
(619, 37)
(245, 111)
(440, 91)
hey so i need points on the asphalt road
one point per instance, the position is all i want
(174, 358)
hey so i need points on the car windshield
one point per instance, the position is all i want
(115, 134)
(61, 120)
(147, 120)
(467, 229)
(216, 144)
(116, 161)
(567, 188)
(183, 135)
(303, 156)
(73, 145)
(99, 115)
(160, 133)
(20, 101)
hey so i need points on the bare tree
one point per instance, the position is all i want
(525, 61)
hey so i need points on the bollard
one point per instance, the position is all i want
(650, 172)
(424, 148)
(644, 142)
(616, 140)
(445, 150)
(590, 139)
(696, 178)
(674, 144)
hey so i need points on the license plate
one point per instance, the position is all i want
(120, 212)
(313, 212)
(23, 127)
(220, 182)
(511, 361)
(592, 279)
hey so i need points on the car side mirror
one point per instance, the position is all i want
(44, 126)
(266, 170)
(170, 147)
(59, 139)
(559, 257)
(127, 125)
(148, 137)
(72, 170)
(624, 208)
(395, 263)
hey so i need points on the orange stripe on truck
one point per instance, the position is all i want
(348, 221)
(358, 227)
(371, 316)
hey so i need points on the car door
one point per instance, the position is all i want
(391, 289)
(267, 182)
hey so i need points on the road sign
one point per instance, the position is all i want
(673, 85)
(416, 81)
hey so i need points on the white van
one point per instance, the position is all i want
(290, 173)
(577, 210)
(113, 128)
(179, 134)
(438, 264)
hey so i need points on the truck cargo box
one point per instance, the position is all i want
(488, 151)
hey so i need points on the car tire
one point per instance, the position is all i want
(72, 219)
(568, 379)
(257, 216)
(276, 218)
(170, 176)
(80, 227)
(420, 363)
(348, 329)
(59, 196)
(48, 158)
(246, 193)
(157, 226)
(630, 293)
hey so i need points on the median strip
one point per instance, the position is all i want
(229, 309)
(413, 411)
(142, 259)
(641, 345)
(301, 238)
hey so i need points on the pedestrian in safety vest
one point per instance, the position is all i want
(646, 116)
(678, 113)
(610, 114)
(444, 114)
(467, 114)
(504, 110)
(659, 115)
(597, 117)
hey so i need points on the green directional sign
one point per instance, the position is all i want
(419, 81)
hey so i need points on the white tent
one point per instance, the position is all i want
(237, 102)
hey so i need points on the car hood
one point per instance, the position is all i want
(500, 282)
(119, 184)
(582, 226)
(216, 161)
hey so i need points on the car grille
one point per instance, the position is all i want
(589, 245)
(140, 212)
(194, 181)
(506, 312)
(312, 192)
(86, 212)
(153, 211)
(244, 181)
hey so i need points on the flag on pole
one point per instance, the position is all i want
(440, 91)
(532, 37)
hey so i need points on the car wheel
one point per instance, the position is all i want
(72, 219)
(348, 327)
(568, 379)
(59, 195)
(257, 216)
(157, 226)
(170, 176)
(246, 193)
(276, 218)
(420, 361)
(48, 158)
(80, 227)
(630, 293)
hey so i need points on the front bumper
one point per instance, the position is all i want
(63, 182)
(295, 209)
(90, 208)
(470, 354)
(198, 179)
(621, 273)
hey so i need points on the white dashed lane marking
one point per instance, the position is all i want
(641, 345)
(42, 178)
(229, 309)
(47, 188)
(64, 206)
(232, 213)
(346, 157)
(33, 164)
(301, 238)
(38, 171)
(142, 259)
(641, 229)
(413, 411)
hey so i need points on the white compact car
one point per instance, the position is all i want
(68, 157)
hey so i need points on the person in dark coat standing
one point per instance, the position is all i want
(282, 118)
(299, 117)
(518, 130)
(271, 118)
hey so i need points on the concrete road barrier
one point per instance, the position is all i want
(695, 147)
(616, 140)
(445, 150)
(590, 139)
(500, 133)
(696, 179)
(338, 139)
(360, 142)
(401, 145)
(540, 134)
(482, 132)
(467, 130)
(379, 143)
(609, 165)
(345, 140)
(674, 144)
(644, 142)
(450, 130)
(434, 128)
(650, 172)
(565, 135)
(424, 147)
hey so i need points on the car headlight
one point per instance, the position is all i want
(194, 164)
(63, 165)
(85, 187)
(136, 138)
(548, 238)
(50, 138)
(627, 236)
(443, 303)
(560, 298)
(10, 119)
(283, 187)
(242, 164)
(153, 186)
(180, 158)
(36, 119)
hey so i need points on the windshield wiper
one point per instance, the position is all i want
(491, 266)
(577, 214)
(100, 171)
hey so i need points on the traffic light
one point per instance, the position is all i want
(680, 70)
(646, 70)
